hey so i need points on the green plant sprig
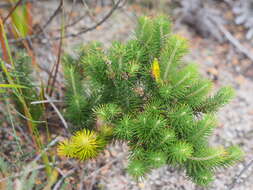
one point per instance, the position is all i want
(144, 93)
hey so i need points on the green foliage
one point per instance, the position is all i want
(20, 20)
(107, 112)
(76, 102)
(213, 103)
(143, 92)
(21, 75)
(124, 128)
(179, 152)
(157, 159)
(203, 177)
(137, 168)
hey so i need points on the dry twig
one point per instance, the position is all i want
(84, 30)
(235, 42)
(58, 184)
(57, 111)
(72, 35)
(51, 18)
(12, 10)
(238, 177)
(52, 143)
(8, 5)
(50, 87)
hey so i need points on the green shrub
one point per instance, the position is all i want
(143, 92)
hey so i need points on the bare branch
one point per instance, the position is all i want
(58, 184)
(55, 13)
(238, 177)
(83, 30)
(57, 111)
(45, 101)
(233, 40)
(59, 55)
(52, 143)
(12, 10)
(8, 5)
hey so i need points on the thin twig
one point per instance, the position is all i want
(26, 118)
(71, 11)
(25, 135)
(52, 143)
(45, 101)
(94, 173)
(236, 43)
(238, 177)
(12, 10)
(58, 184)
(55, 13)
(86, 8)
(233, 40)
(83, 30)
(76, 21)
(57, 111)
(59, 53)
(49, 88)
(106, 165)
(7, 5)
(13, 128)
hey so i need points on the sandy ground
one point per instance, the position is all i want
(236, 119)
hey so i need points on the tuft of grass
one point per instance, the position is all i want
(22, 92)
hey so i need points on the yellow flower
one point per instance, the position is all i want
(83, 145)
(65, 149)
(156, 70)
(86, 144)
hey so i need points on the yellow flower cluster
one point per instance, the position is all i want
(156, 70)
(83, 145)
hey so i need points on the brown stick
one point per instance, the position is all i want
(29, 17)
(238, 177)
(58, 57)
(2, 41)
(236, 43)
(8, 5)
(83, 30)
(12, 10)
(53, 15)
